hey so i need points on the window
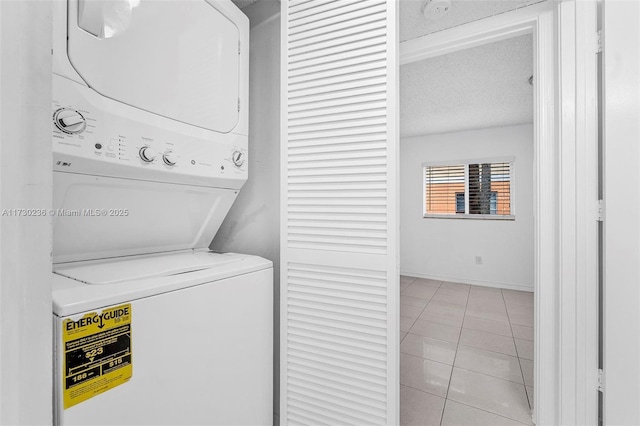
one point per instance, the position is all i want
(493, 208)
(474, 189)
(460, 202)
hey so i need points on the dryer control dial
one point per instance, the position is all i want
(237, 158)
(147, 154)
(69, 121)
(169, 158)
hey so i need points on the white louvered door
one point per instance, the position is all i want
(339, 238)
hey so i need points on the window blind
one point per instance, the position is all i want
(482, 188)
(442, 183)
(489, 188)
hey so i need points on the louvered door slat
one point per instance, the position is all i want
(347, 64)
(337, 111)
(347, 142)
(321, 30)
(358, 397)
(335, 47)
(344, 16)
(298, 6)
(335, 404)
(323, 13)
(366, 390)
(347, 380)
(339, 282)
(338, 352)
(346, 42)
(343, 78)
(340, 58)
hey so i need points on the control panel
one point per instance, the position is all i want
(90, 136)
(69, 121)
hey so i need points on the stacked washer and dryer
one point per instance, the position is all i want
(150, 106)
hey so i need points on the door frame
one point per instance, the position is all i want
(621, 250)
(565, 306)
(26, 351)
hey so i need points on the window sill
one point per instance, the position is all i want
(470, 216)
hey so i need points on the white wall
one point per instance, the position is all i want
(25, 242)
(445, 249)
(253, 224)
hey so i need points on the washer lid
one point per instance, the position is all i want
(118, 270)
(72, 297)
(175, 58)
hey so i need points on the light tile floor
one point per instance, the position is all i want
(466, 354)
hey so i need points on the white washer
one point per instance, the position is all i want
(149, 153)
(201, 341)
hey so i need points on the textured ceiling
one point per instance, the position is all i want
(414, 24)
(485, 86)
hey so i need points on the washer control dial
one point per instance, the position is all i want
(169, 158)
(69, 121)
(237, 158)
(147, 154)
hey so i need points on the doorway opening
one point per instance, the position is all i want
(481, 276)
(466, 237)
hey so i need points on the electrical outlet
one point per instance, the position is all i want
(478, 260)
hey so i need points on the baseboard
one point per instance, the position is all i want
(493, 284)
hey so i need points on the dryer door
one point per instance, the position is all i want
(175, 58)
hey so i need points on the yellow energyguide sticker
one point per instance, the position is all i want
(97, 353)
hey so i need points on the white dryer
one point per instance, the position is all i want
(149, 153)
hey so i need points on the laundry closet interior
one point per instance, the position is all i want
(304, 212)
(310, 124)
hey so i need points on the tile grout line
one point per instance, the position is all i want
(467, 369)
(422, 390)
(446, 397)
(484, 331)
(486, 374)
(526, 392)
(522, 384)
(496, 334)
(425, 307)
(489, 350)
(441, 323)
(483, 410)
(430, 338)
(444, 406)
(414, 321)
(461, 403)
(456, 355)
(418, 317)
(409, 331)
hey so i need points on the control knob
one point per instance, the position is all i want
(147, 154)
(169, 158)
(69, 121)
(237, 158)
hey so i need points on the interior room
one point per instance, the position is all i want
(467, 275)
(319, 212)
